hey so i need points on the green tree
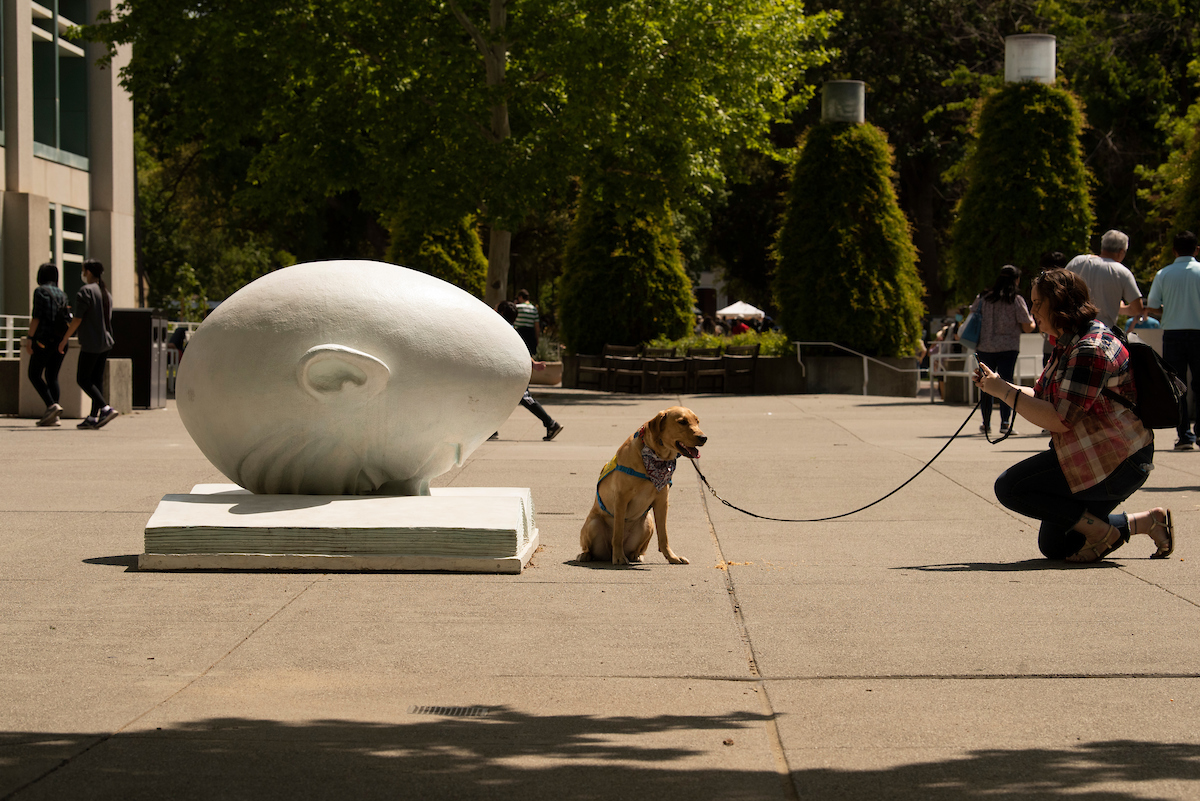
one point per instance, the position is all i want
(471, 106)
(845, 263)
(1026, 184)
(623, 281)
(453, 254)
(189, 248)
(1173, 192)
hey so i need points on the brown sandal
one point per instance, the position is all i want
(1164, 548)
(1095, 550)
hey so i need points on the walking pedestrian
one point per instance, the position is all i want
(1004, 316)
(93, 322)
(1110, 283)
(528, 322)
(1175, 297)
(48, 321)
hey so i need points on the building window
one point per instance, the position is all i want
(68, 244)
(60, 98)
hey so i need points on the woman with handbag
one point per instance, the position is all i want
(1003, 316)
(1100, 452)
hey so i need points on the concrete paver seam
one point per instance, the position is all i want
(774, 738)
(101, 740)
(1156, 585)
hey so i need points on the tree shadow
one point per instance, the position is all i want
(509, 754)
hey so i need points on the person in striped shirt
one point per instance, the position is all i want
(528, 323)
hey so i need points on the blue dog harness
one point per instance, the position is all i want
(660, 472)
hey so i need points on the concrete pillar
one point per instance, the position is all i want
(111, 167)
(26, 247)
(18, 97)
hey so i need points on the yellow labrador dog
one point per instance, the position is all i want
(634, 483)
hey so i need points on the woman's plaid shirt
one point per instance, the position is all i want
(1101, 433)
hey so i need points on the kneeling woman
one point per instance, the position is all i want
(1100, 453)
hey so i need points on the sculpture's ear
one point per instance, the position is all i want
(341, 374)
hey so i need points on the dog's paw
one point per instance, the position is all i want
(676, 559)
(620, 559)
(586, 556)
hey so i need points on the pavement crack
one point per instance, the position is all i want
(782, 768)
(105, 738)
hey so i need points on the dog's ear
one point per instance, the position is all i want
(654, 429)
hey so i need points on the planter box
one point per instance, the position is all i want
(553, 374)
(782, 375)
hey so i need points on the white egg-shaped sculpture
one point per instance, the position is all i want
(347, 378)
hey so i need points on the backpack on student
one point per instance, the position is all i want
(1159, 390)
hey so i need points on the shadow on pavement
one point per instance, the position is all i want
(508, 754)
(1007, 567)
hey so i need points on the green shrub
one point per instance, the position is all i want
(452, 253)
(623, 281)
(845, 263)
(1173, 195)
(771, 343)
(1027, 186)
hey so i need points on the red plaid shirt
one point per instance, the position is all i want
(1101, 433)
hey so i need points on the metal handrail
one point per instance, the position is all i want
(13, 328)
(865, 359)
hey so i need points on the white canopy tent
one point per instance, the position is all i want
(740, 311)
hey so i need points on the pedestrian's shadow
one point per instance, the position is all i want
(1006, 567)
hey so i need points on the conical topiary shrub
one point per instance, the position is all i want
(452, 253)
(845, 265)
(1027, 186)
(623, 281)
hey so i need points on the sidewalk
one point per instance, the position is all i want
(921, 649)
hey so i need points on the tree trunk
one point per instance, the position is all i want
(918, 191)
(499, 247)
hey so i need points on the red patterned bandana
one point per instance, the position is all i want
(658, 470)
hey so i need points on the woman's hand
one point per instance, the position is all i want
(990, 382)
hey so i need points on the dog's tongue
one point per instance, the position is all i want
(691, 453)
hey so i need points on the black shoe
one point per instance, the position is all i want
(106, 415)
(1184, 445)
(552, 432)
(88, 422)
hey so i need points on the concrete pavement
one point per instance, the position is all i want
(920, 649)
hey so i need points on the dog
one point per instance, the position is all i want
(636, 482)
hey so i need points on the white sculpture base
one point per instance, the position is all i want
(224, 527)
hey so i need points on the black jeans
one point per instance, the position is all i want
(1181, 350)
(1004, 362)
(45, 360)
(1037, 488)
(90, 377)
(532, 405)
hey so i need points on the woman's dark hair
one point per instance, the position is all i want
(97, 269)
(48, 274)
(508, 310)
(1069, 303)
(1005, 288)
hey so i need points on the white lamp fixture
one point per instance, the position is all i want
(843, 101)
(1029, 57)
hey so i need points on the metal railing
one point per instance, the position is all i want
(12, 328)
(865, 360)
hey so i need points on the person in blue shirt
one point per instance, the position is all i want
(1175, 299)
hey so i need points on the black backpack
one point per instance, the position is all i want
(1159, 390)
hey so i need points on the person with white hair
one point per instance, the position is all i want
(1114, 290)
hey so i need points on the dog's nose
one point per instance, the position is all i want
(701, 440)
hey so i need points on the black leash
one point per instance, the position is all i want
(872, 503)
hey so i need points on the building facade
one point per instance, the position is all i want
(66, 127)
